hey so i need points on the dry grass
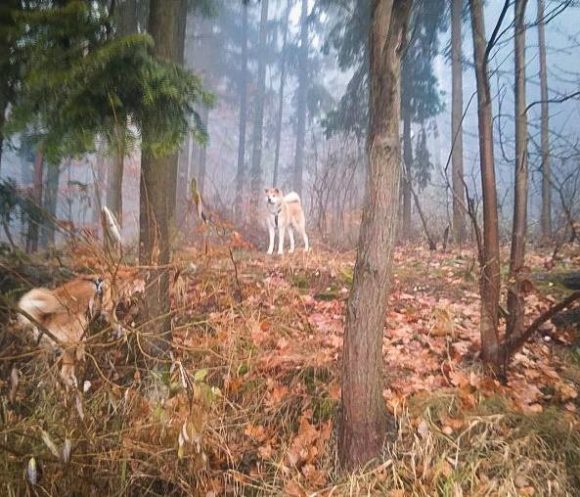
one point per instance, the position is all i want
(247, 403)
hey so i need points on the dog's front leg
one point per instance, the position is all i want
(67, 369)
(271, 233)
(281, 233)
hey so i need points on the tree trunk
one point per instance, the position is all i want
(115, 175)
(125, 14)
(240, 176)
(364, 421)
(546, 219)
(180, 11)
(281, 94)
(185, 152)
(155, 185)
(408, 161)
(302, 96)
(36, 197)
(2, 120)
(259, 106)
(456, 124)
(99, 176)
(8, 69)
(515, 304)
(182, 183)
(204, 115)
(490, 270)
(49, 204)
(430, 239)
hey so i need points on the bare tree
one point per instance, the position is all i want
(36, 197)
(302, 96)
(125, 14)
(240, 176)
(364, 421)
(456, 123)
(546, 220)
(281, 93)
(406, 180)
(259, 106)
(490, 269)
(515, 300)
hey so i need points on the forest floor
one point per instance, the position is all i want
(254, 383)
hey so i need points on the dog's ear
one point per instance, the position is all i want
(266, 191)
(276, 190)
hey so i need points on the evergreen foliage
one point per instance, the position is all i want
(422, 164)
(78, 80)
(348, 38)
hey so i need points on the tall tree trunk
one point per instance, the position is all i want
(125, 14)
(515, 321)
(2, 121)
(364, 422)
(36, 197)
(259, 106)
(243, 118)
(204, 115)
(99, 177)
(546, 219)
(115, 174)
(8, 69)
(302, 96)
(490, 275)
(408, 161)
(456, 124)
(182, 182)
(49, 204)
(179, 43)
(155, 186)
(430, 239)
(281, 93)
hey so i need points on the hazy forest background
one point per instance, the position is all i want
(428, 342)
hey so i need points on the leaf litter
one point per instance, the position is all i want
(266, 381)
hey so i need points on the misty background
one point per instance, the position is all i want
(334, 161)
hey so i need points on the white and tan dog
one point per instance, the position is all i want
(284, 213)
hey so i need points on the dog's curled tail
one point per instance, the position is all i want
(292, 197)
(38, 303)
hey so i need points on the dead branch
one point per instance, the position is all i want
(513, 344)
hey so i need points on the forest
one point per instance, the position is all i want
(303, 248)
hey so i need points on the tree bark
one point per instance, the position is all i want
(302, 96)
(546, 218)
(240, 176)
(364, 421)
(8, 69)
(490, 269)
(49, 204)
(204, 115)
(182, 182)
(115, 174)
(281, 94)
(99, 177)
(408, 161)
(459, 203)
(259, 112)
(125, 14)
(179, 9)
(155, 188)
(3, 105)
(36, 197)
(515, 304)
(430, 239)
